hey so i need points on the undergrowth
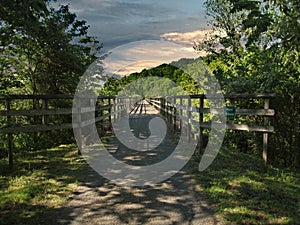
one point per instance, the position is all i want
(40, 182)
(244, 191)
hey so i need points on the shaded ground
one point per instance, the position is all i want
(174, 201)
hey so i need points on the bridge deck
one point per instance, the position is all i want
(174, 201)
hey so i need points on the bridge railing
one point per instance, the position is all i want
(193, 110)
(15, 111)
(36, 113)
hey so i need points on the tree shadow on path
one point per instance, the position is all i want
(100, 201)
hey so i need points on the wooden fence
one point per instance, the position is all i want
(178, 109)
(105, 109)
(43, 107)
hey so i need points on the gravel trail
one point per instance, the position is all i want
(174, 201)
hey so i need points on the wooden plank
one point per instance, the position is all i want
(87, 109)
(245, 127)
(60, 96)
(245, 112)
(19, 97)
(234, 96)
(242, 127)
(34, 128)
(247, 96)
(41, 112)
(256, 112)
(155, 101)
(95, 120)
(66, 96)
(35, 112)
(106, 107)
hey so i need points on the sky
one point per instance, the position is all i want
(119, 22)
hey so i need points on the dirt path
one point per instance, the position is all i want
(174, 201)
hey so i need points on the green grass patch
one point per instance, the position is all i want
(40, 182)
(244, 192)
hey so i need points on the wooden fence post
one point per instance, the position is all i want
(232, 102)
(101, 114)
(9, 137)
(175, 120)
(79, 127)
(167, 109)
(265, 135)
(181, 113)
(189, 116)
(45, 118)
(201, 106)
(115, 109)
(162, 106)
(109, 112)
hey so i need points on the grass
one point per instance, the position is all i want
(236, 184)
(40, 182)
(244, 192)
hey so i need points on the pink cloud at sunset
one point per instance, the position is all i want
(186, 39)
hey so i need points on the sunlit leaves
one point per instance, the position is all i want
(47, 47)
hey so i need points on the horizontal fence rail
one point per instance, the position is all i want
(193, 109)
(33, 113)
(40, 108)
(37, 113)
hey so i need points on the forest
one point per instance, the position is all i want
(253, 47)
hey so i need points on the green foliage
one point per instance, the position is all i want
(188, 74)
(255, 49)
(43, 50)
(243, 193)
(42, 180)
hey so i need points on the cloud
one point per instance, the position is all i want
(134, 57)
(186, 39)
(117, 22)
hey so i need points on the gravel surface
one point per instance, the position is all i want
(100, 201)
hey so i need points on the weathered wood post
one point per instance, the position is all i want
(109, 112)
(201, 106)
(45, 117)
(166, 108)
(101, 115)
(265, 134)
(231, 120)
(170, 110)
(162, 106)
(115, 109)
(174, 114)
(189, 117)
(180, 113)
(9, 136)
(79, 123)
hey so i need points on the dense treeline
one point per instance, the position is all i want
(174, 75)
(253, 48)
(43, 50)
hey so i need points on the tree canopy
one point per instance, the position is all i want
(254, 48)
(43, 49)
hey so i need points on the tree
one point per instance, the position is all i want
(46, 52)
(43, 50)
(255, 48)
